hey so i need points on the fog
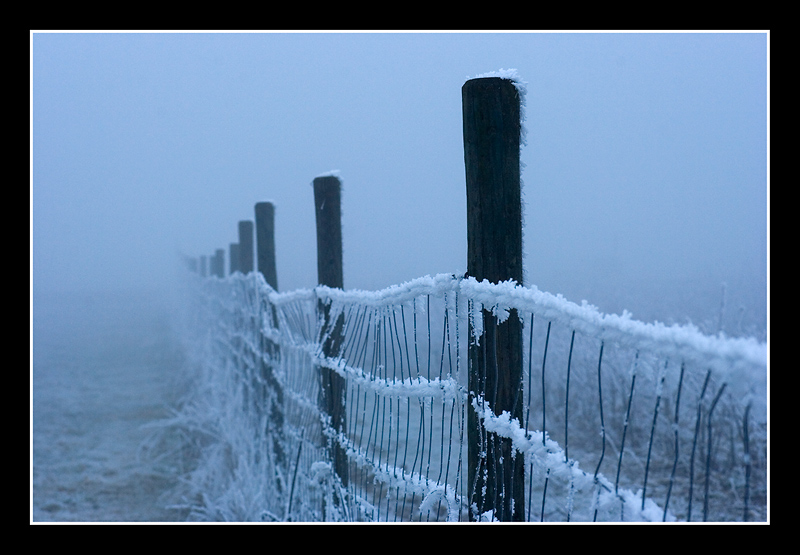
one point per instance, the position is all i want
(645, 175)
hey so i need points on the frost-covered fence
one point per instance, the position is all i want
(460, 398)
(622, 420)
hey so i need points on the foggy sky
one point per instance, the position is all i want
(645, 168)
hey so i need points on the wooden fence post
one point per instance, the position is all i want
(273, 390)
(327, 203)
(233, 257)
(265, 242)
(491, 119)
(246, 246)
(218, 263)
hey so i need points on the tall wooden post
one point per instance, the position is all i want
(272, 394)
(328, 206)
(491, 118)
(246, 246)
(327, 202)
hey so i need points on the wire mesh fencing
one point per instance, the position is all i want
(331, 405)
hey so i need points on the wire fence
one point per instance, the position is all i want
(622, 421)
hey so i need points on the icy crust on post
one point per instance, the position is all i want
(331, 173)
(509, 74)
(522, 88)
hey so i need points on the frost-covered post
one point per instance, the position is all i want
(246, 246)
(327, 203)
(273, 389)
(492, 127)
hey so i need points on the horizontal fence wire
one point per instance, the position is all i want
(623, 421)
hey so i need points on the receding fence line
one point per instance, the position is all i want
(375, 366)
(356, 351)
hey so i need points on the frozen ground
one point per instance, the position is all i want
(101, 371)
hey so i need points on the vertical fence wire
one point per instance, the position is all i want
(746, 441)
(659, 390)
(625, 422)
(675, 428)
(710, 451)
(698, 421)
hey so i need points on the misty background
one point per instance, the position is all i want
(645, 169)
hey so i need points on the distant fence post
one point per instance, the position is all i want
(265, 242)
(327, 203)
(491, 120)
(233, 257)
(246, 246)
(273, 390)
(218, 263)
